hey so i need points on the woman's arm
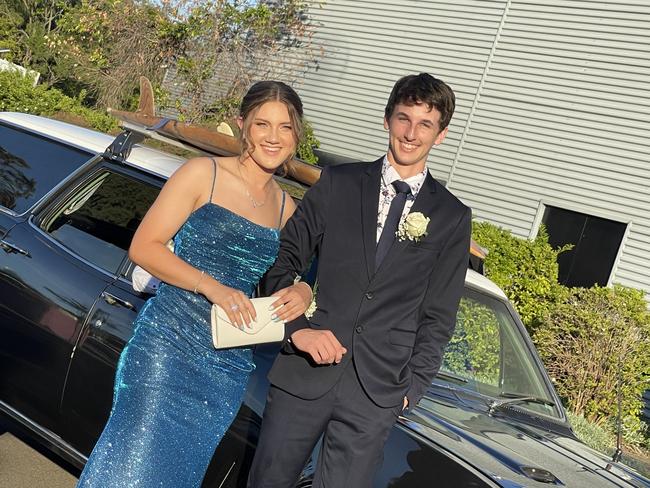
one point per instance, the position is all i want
(185, 191)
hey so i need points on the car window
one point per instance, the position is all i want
(31, 165)
(98, 221)
(488, 353)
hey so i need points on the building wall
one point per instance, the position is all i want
(553, 103)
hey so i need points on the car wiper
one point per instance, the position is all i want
(513, 398)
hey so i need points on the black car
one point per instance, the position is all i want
(68, 211)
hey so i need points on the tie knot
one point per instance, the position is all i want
(401, 187)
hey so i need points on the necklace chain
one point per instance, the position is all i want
(254, 202)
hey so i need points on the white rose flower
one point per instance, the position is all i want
(414, 227)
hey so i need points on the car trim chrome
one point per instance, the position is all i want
(53, 441)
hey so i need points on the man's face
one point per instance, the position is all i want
(412, 131)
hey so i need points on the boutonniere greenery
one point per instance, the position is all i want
(413, 228)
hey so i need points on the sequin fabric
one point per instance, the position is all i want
(175, 395)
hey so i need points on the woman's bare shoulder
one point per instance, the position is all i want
(195, 168)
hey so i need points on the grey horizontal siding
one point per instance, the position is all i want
(563, 117)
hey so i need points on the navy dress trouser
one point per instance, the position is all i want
(354, 431)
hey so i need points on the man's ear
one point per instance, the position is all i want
(385, 123)
(441, 136)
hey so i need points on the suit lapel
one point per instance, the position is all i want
(369, 204)
(424, 203)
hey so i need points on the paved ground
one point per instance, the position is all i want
(23, 467)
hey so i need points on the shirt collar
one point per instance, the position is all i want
(390, 174)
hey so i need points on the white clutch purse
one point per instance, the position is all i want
(225, 334)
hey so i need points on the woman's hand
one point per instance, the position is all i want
(292, 301)
(235, 303)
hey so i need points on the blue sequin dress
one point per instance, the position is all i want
(175, 395)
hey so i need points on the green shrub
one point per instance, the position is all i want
(18, 95)
(475, 344)
(526, 270)
(587, 341)
(595, 436)
(307, 145)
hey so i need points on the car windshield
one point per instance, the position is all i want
(488, 354)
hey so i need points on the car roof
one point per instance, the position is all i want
(480, 282)
(152, 160)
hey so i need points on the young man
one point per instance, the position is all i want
(393, 246)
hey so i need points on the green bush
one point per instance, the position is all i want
(307, 145)
(595, 436)
(18, 95)
(526, 270)
(587, 341)
(475, 344)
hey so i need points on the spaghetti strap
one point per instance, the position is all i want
(214, 177)
(284, 194)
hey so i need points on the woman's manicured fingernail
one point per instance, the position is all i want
(271, 308)
(274, 316)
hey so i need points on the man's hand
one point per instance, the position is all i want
(292, 301)
(321, 345)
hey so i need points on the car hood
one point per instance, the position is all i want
(512, 452)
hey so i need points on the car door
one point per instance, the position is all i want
(108, 207)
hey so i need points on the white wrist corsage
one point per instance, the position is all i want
(413, 228)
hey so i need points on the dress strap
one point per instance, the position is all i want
(214, 177)
(284, 195)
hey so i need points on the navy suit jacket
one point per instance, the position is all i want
(395, 320)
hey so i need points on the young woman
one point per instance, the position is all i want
(175, 395)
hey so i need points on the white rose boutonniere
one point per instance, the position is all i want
(413, 228)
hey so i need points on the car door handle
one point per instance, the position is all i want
(118, 302)
(9, 248)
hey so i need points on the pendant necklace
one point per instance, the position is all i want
(254, 202)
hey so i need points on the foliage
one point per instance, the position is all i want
(94, 51)
(307, 144)
(111, 43)
(237, 42)
(595, 436)
(18, 95)
(526, 270)
(25, 27)
(475, 346)
(592, 340)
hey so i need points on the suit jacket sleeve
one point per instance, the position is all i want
(298, 241)
(438, 314)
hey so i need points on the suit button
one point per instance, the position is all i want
(359, 329)
(370, 295)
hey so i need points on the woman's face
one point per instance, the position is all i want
(271, 135)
